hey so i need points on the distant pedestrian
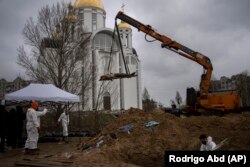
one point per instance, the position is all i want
(64, 119)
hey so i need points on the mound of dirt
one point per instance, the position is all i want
(146, 146)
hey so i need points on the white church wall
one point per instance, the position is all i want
(131, 93)
(139, 86)
(124, 92)
(112, 87)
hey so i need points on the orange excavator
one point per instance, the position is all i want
(197, 101)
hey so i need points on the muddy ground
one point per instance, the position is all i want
(143, 146)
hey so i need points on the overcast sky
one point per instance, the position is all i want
(219, 29)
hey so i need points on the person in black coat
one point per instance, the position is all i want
(21, 116)
(12, 128)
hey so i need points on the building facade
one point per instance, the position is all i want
(224, 83)
(239, 82)
(8, 87)
(105, 55)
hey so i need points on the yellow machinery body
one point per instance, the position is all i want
(226, 101)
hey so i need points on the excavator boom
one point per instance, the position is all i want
(196, 101)
(177, 48)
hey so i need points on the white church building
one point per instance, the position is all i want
(119, 93)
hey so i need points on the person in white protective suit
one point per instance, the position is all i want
(64, 119)
(207, 143)
(32, 127)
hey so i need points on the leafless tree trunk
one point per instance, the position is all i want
(105, 86)
(56, 49)
(148, 103)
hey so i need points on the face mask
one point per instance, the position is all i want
(204, 142)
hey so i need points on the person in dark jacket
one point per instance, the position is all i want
(19, 131)
(12, 128)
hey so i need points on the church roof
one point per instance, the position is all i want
(89, 3)
(123, 25)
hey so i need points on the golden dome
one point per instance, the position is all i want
(89, 3)
(123, 25)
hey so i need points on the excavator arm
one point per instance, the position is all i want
(176, 47)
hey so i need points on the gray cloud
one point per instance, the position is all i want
(13, 16)
(217, 29)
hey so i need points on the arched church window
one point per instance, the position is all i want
(81, 17)
(103, 41)
(126, 44)
(94, 21)
(105, 62)
(106, 94)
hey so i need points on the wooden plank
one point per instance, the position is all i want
(26, 163)
(52, 159)
(62, 161)
(40, 163)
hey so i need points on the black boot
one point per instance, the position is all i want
(66, 139)
(2, 150)
(33, 152)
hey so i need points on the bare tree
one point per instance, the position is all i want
(172, 103)
(148, 104)
(178, 99)
(87, 76)
(57, 49)
(106, 86)
(145, 95)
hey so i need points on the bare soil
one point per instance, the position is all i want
(143, 146)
